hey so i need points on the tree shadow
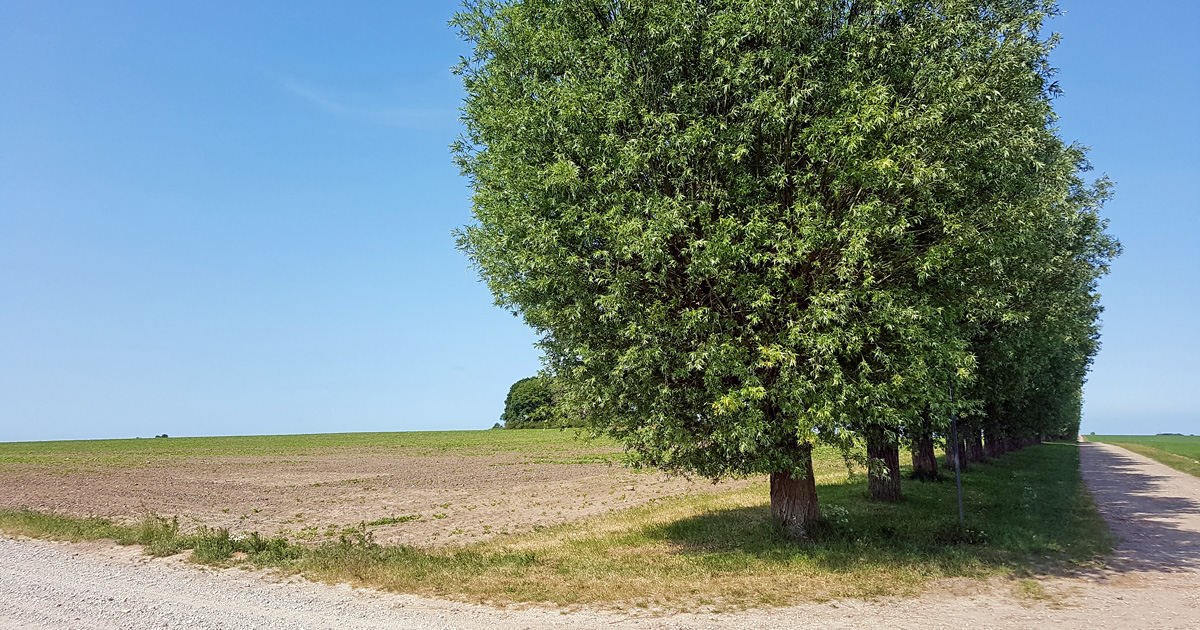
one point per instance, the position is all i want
(745, 538)
(855, 535)
(1154, 517)
(1027, 513)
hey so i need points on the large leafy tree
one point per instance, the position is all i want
(742, 227)
(530, 403)
(533, 402)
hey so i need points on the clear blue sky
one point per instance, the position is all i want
(234, 218)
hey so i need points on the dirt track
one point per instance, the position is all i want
(1153, 582)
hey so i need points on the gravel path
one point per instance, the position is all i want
(1153, 582)
(1153, 508)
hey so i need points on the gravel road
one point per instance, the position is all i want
(1153, 582)
(1153, 509)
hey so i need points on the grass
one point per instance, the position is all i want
(541, 446)
(1028, 514)
(1177, 451)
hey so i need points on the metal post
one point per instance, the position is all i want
(957, 454)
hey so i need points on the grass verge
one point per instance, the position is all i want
(1177, 451)
(1028, 514)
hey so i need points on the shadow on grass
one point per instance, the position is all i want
(1026, 512)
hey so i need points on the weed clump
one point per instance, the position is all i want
(159, 536)
(392, 520)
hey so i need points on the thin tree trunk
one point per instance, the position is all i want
(883, 465)
(794, 501)
(924, 460)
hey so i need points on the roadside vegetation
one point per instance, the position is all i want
(1181, 452)
(1028, 514)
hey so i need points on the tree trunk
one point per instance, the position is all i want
(794, 501)
(961, 453)
(883, 465)
(993, 443)
(975, 446)
(924, 460)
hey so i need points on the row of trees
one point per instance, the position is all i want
(745, 227)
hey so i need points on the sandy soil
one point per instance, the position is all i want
(459, 498)
(1153, 582)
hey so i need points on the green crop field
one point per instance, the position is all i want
(1181, 452)
(542, 443)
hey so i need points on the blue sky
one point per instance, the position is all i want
(234, 218)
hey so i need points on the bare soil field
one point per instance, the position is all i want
(413, 496)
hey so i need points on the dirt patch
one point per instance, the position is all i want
(428, 500)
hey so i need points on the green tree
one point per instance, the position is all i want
(536, 402)
(744, 227)
(529, 403)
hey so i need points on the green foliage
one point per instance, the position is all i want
(159, 535)
(28, 522)
(534, 402)
(213, 546)
(392, 520)
(738, 225)
(529, 404)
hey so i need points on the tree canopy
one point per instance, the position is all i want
(529, 403)
(741, 227)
